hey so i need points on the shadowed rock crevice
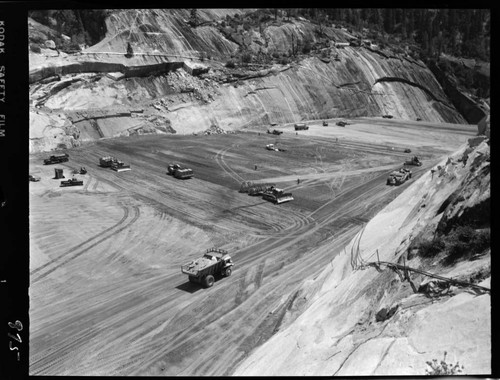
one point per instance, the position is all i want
(423, 88)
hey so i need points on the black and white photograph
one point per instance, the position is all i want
(256, 192)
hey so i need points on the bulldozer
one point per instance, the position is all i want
(113, 163)
(82, 170)
(178, 172)
(119, 166)
(276, 195)
(72, 182)
(413, 161)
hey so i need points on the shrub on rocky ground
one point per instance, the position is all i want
(246, 58)
(464, 242)
(443, 368)
(461, 243)
(430, 248)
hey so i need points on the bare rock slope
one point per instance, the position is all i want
(178, 78)
(364, 316)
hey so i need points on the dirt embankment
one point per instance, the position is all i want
(360, 318)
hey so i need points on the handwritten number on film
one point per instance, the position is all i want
(18, 326)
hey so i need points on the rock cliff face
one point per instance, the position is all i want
(339, 82)
(360, 318)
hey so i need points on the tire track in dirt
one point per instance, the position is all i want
(298, 219)
(219, 158)
(195, 336)
(272, 250)
(124, 217)
(111, 231)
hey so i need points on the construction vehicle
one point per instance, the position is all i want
(72, 182)
(274, 132)
(106, 162)
(34, 178)
(245, 185)
(260, 188)
(275, 148)
(407, 150)
(119, 166)
(341, 123)
(82, 170)
(271, 147)
(387, 116)
(399, 177)
(215, 262)
(56, 159)
(276, 195)
(113, 163)
(413, 161)
(325, 123)
(178, 172)
(301, 127)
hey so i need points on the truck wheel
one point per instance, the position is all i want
(228, 272)
(209, 281)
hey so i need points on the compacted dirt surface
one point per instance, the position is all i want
(107, 296)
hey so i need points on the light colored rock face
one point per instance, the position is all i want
(165, 31)
(362, 83)
(338, 333)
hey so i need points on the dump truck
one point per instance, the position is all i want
(325, 123)
(215, 262)
(413, 161)
(301, 127)
(387, 116)
(72, 182)
(398, 177)
(56, 159)
(178, 172)
(276, 195)
(341, 123)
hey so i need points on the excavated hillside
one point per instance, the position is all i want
(412, 287)
(178, 79)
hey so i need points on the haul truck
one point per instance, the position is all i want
(215, 262)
